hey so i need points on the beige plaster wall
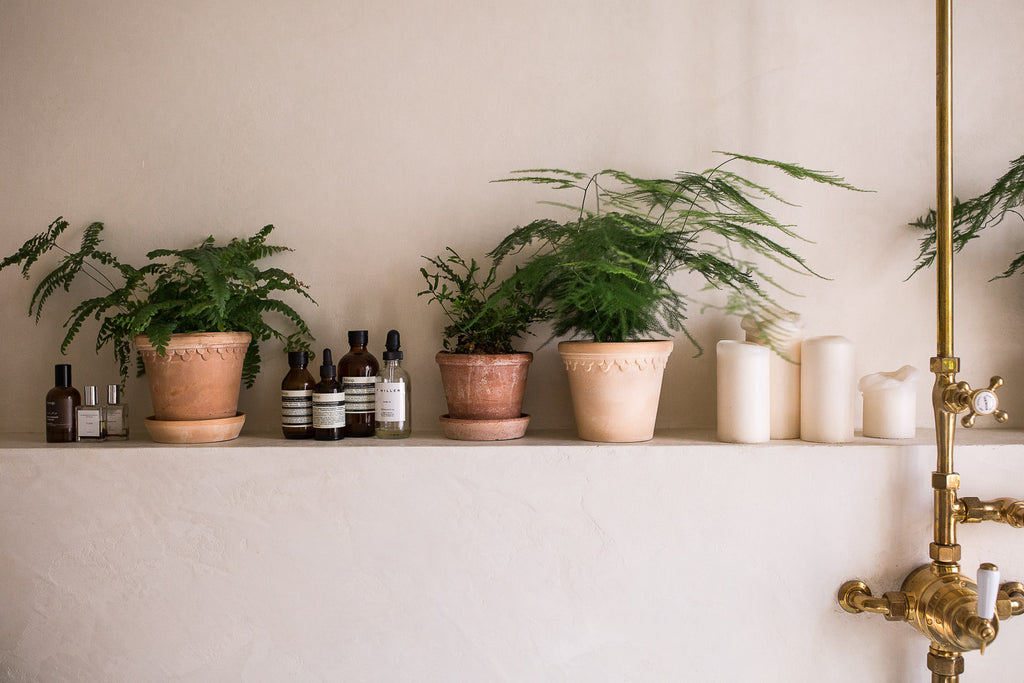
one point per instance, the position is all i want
(368, 132)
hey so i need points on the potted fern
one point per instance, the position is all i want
(195, 315)
(483, 375)
(604, 275)
(975, 215)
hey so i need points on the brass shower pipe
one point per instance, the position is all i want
(956, 613)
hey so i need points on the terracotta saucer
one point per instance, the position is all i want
(195, 431)
(484, 430)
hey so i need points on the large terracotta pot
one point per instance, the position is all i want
(484, 387)
(199, 377)
(615, 387)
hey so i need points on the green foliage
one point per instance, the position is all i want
(207, 288)
(605, 274)
(482, 320)
(973, 216)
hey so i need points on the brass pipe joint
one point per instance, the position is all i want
(1004, 510)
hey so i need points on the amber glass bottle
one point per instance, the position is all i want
(358, 372)
(328, 403)
(61, 402)
(297, 398)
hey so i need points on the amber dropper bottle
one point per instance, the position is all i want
(328, 403)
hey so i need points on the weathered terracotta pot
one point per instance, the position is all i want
(615, 387)
(200, 376)
(484, 387)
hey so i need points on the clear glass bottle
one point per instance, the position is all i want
(297, 398)
(393, 405)
(116, 413)
(89, 420)
(328, 403)
(358, 372)
(61, 403)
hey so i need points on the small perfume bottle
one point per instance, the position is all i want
(61, 402)
(116, 413)
(393, 393)
(89, 418)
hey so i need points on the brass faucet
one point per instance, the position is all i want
(956, 613)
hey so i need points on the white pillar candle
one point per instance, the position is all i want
(744, 414)
(781, 331)
(890, 403)
(827, 390)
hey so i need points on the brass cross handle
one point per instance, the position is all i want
(982, 402)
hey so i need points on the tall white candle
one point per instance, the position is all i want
(781, 331)
(744, 414)
(827, 389)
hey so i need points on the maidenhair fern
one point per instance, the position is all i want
(207, 288)
(604, 275)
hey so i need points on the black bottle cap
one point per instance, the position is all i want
(392, 346)
(62, 375)
(358, 337)
(327, 370)
(298, 358)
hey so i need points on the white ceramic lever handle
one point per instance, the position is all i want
(988, 590)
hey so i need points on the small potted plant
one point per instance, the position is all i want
(195, 315)
(604, 275)
(484, 377)
(974, 215)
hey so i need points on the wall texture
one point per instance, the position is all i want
(548, 560)
(367, 133)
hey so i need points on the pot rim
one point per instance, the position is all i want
(520, 358)
(187, 339)
(653, 346)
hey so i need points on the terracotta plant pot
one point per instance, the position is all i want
(615, 387)
(200, 376)
(484, 387)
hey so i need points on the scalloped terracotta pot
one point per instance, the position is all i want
(615, 387)
(200, 376)
(484, 387)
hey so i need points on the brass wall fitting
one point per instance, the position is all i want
(855, 597)
(1010, 602)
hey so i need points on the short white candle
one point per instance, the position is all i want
(827, 390)
(744, 414)
(890, 403)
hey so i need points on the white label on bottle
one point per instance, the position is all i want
(328, 411)
(390, 402)
(359, 394)
(297, 407)
(115, 421)
(89, 423)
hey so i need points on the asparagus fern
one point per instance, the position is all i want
(975, 215)
(604, 274)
